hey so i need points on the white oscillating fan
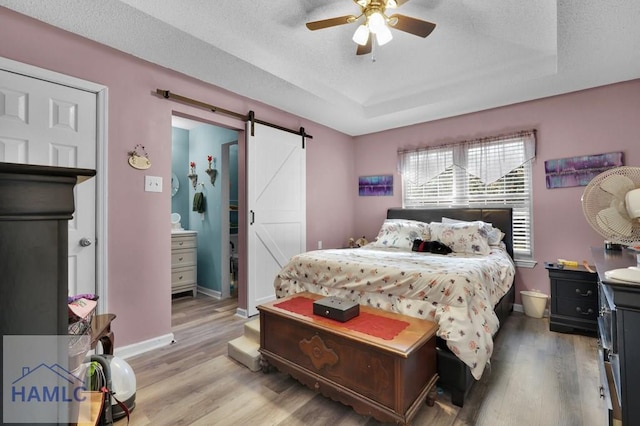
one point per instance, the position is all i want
(611, 205)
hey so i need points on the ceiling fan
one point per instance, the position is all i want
(376, 23)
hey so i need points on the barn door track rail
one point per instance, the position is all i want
(166, 94)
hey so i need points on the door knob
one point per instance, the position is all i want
(85, 242)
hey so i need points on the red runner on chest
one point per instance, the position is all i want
(367, 323)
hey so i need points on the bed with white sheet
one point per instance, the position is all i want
(464, 291)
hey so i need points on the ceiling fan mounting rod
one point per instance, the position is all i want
(378, 3)
(373, 7)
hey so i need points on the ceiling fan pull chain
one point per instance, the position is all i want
(374, 47)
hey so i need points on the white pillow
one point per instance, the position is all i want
(462, 237)
(494, 235)
(400, 233)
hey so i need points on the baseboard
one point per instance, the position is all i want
(211, 293)
(519, 308)
(144, 346)
(242, 313)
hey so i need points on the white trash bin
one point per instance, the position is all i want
(534, 303)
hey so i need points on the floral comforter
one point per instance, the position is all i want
(457, 291)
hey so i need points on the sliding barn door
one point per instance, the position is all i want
(276, 203)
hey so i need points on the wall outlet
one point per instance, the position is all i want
(153, 184)
(319, 245)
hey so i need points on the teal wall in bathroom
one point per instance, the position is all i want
(195, 145)
(180, 166)
(207, 140)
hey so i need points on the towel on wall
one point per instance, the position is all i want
(198, 202)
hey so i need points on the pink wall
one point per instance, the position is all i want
(139, 236)
(595, 121)
(589, 122)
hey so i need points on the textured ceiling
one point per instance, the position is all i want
(482, 54)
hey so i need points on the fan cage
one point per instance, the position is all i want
(595, 200)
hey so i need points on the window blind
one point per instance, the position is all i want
(482, 173)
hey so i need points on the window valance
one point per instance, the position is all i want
(489, 159)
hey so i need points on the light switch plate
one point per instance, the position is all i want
(153, 184)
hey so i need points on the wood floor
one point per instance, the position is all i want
(537, 377)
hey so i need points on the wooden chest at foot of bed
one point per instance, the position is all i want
(386, 377)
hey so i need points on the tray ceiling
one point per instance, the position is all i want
(482, 54)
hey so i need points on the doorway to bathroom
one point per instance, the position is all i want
(205, 198)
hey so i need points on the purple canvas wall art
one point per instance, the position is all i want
(375, 185)
(578, 171)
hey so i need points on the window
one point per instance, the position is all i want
(482, 173)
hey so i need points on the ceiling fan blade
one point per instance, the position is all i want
(411, 25)
(366, 49)
(332, 22)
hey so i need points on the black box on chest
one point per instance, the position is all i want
(335, 308)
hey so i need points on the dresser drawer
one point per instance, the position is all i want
(578, 273)
(183, 241)
(183, 257)
(578, 308)
(583, 290)
(181, 276)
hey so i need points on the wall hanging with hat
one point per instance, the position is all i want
(139, 158)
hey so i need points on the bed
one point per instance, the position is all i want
(469, 292)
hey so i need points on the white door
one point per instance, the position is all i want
(55, 125)
(276, 208)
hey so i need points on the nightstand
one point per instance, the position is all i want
(574, 299)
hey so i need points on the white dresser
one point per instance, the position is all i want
(184, 262)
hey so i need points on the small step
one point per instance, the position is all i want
(252, 330)
(245, 351)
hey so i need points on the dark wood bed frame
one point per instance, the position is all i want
(455, 376)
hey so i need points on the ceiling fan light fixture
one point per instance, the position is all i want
(377, 25)
(377, 22)
(384, 36)
(361, 36)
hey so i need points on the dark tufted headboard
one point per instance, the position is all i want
(500, 217)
